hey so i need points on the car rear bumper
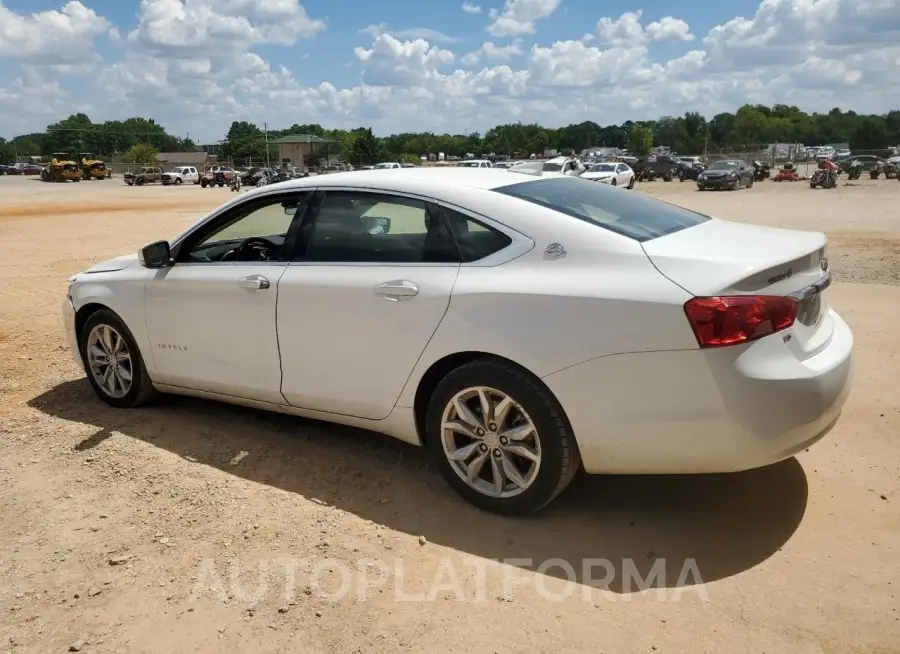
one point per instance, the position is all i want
(704, 411)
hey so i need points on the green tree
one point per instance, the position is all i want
(640, 141)
(141, 153)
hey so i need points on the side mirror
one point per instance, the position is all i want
(156, 255)
(290, 209)
(377, 224)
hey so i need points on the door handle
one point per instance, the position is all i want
(254, 282)
(397, 290)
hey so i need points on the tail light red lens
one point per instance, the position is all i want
(730, 320)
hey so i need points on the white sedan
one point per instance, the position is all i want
(612, 173)
(521, 328)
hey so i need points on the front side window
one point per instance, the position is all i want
(358, 227)
(254, 231)
(638, 217)
(552, 167)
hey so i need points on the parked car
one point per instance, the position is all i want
(217, 176)
(555, 167)
(521, 328)
(475, 163)
(9, 169)
(731, 174)
(181, 175)
(389, 165)
(29, 169)
(146, 175)
(868, 161)
(614, 174)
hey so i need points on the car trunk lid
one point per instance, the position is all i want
(719, 258)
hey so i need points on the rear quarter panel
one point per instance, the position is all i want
(603, 297)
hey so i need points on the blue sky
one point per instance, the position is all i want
(196, 65)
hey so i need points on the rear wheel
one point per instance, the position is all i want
(113, 362)
(500, 438)
(614, 182)
(630, 183)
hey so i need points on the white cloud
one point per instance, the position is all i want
(493, 52)
(51, 37)
(469, 8)
(518, 17)
(426, 33)
(195, 67)
(183, 28)
(628, 30)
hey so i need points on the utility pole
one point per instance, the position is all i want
(266, 129)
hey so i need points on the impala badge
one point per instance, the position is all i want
(555, 250)
(824, 264)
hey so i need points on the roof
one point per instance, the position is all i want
(187, 158)
(429, 182)
(303, 138)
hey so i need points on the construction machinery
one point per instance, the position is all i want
(93, 168)
(61, 169)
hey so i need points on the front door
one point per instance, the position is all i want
(371, 284)
(211, 316)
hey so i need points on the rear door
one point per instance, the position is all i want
(369, 285)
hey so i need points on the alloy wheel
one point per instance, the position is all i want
(492, 444)
(109, 361)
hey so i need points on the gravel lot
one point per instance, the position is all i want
(193, 526)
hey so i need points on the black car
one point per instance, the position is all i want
(729, 174)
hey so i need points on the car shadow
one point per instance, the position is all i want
(701, 527)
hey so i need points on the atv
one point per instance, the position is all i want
(761, 171)
(855, 169)
(93, 168)
(61, 169)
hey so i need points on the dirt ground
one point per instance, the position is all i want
(197, 527)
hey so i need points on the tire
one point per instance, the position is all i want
(221, 185)
(630, 183)
(614, 182)
(140, 391)
(203, 183)
(177, 181)
(560, 459)
(750, 183)
(139, 181)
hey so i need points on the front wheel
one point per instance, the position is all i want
(500, 438)
(614, 182)
(177, 181)
(113, 362)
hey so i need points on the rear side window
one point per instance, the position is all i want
(629, 214)
(475, 240)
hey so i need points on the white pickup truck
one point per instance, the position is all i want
(181, 175)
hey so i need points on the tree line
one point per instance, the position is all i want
(748, 129)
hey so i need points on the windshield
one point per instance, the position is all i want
(603, 168)
(552, 167)
(635, 216)
(724, 165)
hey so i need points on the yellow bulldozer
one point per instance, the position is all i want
(61, 169)
(93, 168)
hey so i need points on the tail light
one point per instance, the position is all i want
(730, 320)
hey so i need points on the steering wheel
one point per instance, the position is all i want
(260, 248)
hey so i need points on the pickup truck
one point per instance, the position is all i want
(217, 176)
(181, 175)
(146, 175)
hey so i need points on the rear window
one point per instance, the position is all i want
(629, 214)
